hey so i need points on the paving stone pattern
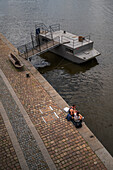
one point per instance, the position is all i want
(65, 145)
(8, 158)
(32, 153)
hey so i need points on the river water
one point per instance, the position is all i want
(88, 86)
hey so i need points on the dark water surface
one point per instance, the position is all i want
(89, 86)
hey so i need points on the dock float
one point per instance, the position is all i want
(78, 49)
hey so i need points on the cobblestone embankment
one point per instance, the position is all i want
(64, 143)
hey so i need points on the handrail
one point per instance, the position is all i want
(87, 37)
(31, 46)
(69, 39)
(54, 27)
(58, 38)
(42, 26)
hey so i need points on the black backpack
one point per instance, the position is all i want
(78, 124)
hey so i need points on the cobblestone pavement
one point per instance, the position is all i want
(8, 158)
(65, 145)
(32, 153)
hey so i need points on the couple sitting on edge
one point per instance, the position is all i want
(75, 116)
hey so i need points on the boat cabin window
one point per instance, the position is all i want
(68, 50)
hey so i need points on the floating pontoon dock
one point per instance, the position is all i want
(77, 49)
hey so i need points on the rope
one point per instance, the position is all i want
(59, 63)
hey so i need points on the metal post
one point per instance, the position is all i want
(26, 52)
(32, 43)
(53, 42)
(59, 27)
(89, 37)
(47, 43)
(51, 33)
(61, 39)
(38, 41)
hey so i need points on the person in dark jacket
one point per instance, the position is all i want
(70, 116)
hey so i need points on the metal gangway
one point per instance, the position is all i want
(36, 46)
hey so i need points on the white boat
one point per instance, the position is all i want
(77, 49)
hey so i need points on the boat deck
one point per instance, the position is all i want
(71, 39)
(88, 54)
(75, 48)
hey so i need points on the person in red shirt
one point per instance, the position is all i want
(72, 110)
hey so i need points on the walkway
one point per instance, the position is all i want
(44, 139)
(21, 128)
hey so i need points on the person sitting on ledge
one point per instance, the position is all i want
(70, 115)
(78, 116)
(78, 119)
(73, 109)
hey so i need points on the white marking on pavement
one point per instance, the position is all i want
(51, 108)
(56, 115)
(43, 119)
(41, 111)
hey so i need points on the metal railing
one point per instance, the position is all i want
(47, 31)
(87, 37)
(56, 40)
(43, 28)
(54, 27)
(65, 38)
(36, 46)
(73, 41)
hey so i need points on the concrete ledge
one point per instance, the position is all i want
(90, 138)
(106, 158)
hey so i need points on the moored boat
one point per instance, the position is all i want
(78, 49)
